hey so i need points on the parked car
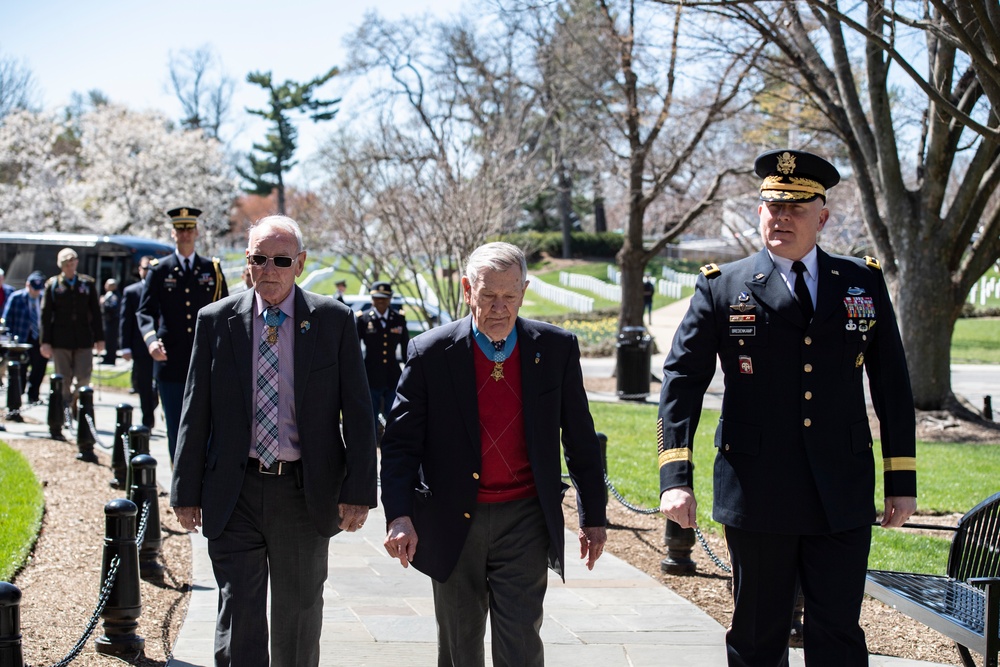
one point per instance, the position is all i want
(411, 307)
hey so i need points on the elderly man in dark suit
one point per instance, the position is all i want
(795, 329)
(276, 451)
(133, 347)
(471, 465)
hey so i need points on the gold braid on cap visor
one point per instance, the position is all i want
(791, 188)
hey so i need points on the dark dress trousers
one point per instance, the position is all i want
(794, 445)
(142, 363)
(338, 465)
(434, 429)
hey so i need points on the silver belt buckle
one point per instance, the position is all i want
(265, 471)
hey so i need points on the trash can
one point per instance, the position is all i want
(634, 348)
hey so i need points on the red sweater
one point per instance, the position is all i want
(506, 472)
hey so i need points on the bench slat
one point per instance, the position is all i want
(953, 608)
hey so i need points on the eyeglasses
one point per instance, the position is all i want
(280, 261)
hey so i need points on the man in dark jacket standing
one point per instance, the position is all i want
(71, 324)
(795, 330)
(177, 287)
(483, 406)
(134, 349)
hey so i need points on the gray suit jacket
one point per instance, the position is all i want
(330, 385)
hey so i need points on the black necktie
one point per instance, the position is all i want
(802, 291)
(187, 266)
(498, 344)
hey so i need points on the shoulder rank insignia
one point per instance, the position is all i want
(710, 270)
(154, 262)
(872, 263)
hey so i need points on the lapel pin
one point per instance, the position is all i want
(304, 326)
(759, 276)
(538, 357)
(835, 272)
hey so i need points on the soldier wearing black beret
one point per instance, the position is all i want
(383, 330)
(176, 288)
(796, 330)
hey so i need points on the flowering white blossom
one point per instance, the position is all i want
(113, 171)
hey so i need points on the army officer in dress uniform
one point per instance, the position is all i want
(383, 330)
(795, 330)
(177, 287)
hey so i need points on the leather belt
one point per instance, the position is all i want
(276, 468)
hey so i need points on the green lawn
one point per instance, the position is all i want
(976, 340)
(20, 512)
(951, 478)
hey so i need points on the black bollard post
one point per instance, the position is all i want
(85, 436)
(680, 542)
(988, 407)
(57, 409)
(124, 606)
(144, 491)
(138, 443)
(119, 464)
(11, 654)
(14, 391)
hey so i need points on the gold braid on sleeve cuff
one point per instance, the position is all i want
(900, 463)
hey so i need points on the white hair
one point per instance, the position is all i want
(497, 256)
(280, 222)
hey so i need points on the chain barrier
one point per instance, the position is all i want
(93, 432)
(102, 601)
(648, 511)
(140, 534)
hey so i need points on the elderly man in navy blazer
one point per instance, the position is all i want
(471, 465)
(276, 451)
(795, 330)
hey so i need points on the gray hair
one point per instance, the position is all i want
(498, 256)
(280, 222)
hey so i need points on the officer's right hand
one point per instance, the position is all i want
(45, 350)
(157, 351)
(679, 505)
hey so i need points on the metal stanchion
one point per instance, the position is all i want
(119, 464)
(11, 653)
(145, 494)
(85, 437)
(14, 391)
(57, 408)
(124, 606)
(138, 443)
(680, 542)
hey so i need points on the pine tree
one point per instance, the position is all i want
(266, 170)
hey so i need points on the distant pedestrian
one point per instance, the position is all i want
(383, 331)
(134, 349)
(110, 312)
(648, 290)
(71, 326)
(22, 315)
(341, 286)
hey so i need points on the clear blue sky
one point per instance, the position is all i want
(123, 48)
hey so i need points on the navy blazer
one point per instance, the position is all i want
(214, 441)
(794, 445)
(433, 431)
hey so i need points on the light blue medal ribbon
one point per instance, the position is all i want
(486, 345)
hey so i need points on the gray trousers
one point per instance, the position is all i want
(502, 572)
(75, 363)
(271, 536)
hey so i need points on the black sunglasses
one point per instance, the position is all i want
(280, 261)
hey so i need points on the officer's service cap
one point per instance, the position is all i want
(341, 282)
(381, 290)
(184, 217)
(794, 176)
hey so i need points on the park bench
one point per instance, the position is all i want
(964, 605)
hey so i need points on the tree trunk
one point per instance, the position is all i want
(926, 309)
(566, 212)
(600, 217)
(632, 260)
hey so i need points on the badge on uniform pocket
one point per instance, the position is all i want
(746, 365)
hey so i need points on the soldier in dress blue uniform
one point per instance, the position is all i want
(383, 330)
(177, 287)
(795, 330)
